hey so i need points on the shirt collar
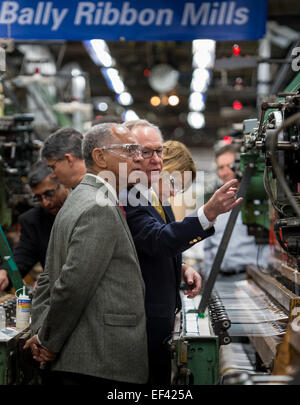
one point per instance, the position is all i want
(107, 185)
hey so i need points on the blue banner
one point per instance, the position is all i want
(133, 20)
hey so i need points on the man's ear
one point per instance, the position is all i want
(70, 158)
(99, 158)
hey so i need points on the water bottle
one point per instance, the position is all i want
(23, 310)
(2, 318)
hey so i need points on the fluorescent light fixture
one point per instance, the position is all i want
(113, 80)
(130, 115)
(197, 101)
(99, 52)
(203, 59)
(200, 80)
(125, 98)
(208, 45)
(196, 120)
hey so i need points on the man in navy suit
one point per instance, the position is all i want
(159, 242)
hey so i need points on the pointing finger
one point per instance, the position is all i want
(236, 203)
(229, 184)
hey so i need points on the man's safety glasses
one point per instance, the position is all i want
(131, 149)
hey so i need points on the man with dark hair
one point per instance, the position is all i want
(37, 222)
(88, 312)
(62, 151)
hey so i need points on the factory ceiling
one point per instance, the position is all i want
(234, 78)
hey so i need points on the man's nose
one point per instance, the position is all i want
(137, 157)
(45, 202)
(155, 157)
(53, 175)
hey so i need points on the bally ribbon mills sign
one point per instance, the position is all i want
(133, 20)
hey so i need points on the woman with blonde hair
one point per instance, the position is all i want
(178, 164)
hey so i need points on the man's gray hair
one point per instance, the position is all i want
(38, 172)
(142, 123)
(64, 140)
(96, 137)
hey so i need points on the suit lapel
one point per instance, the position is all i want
(169, 213)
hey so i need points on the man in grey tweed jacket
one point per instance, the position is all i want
(88, 314)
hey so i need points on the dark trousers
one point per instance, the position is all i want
(159, 331)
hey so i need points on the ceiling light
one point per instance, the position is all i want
(155, 101)
(113, 80)
(204, 45)
(102, 52)
(173, 100)
(203, 59)
(200, 80)
(237, 105)
(125, 98)
(165, 100)
(197, 101)
(99, 52)
(196, 120)
(102, 106)
(130, 115)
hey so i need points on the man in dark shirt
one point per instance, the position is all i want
(36, 223)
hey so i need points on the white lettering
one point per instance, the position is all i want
(126, 11)
(47, 13)
(214, 14)
(114, 13)
(230, 13)
(58, 17)
(296, 61)
(147, 16)
(241, 16)
(8, 13)
(84, 10)
(189, 13)
(26, 16)
(160, 15)
(38, 14)
(98, 14)
(222, 13)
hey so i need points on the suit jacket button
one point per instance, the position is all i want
(195, 240)
(199, 238)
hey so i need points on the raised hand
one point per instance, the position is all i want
(223, 200)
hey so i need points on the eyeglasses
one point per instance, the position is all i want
(48, 195)
(161, 152)
(131, 149)
(53, 166)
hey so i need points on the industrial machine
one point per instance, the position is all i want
(252, 326)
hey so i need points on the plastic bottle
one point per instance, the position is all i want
(23, 311)
(2, 318)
